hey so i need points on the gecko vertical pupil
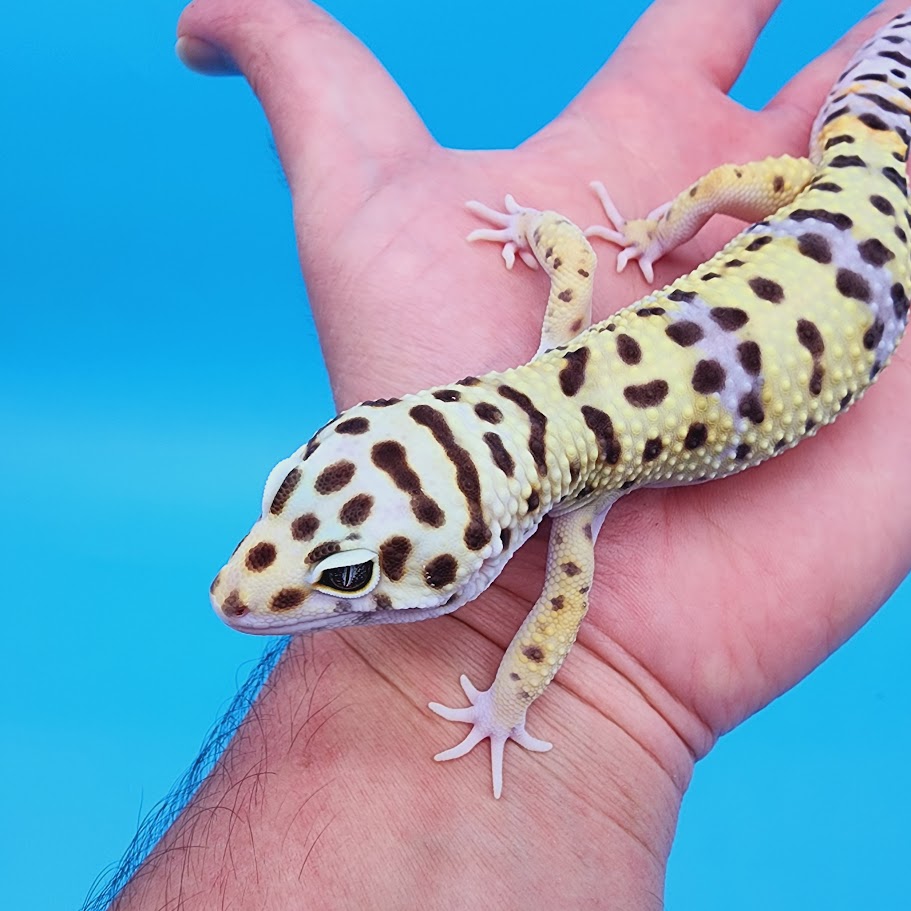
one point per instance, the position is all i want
(347, 578)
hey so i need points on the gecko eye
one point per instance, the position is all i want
(350, 573)
(347, 578)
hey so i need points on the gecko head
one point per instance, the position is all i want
(364, 524)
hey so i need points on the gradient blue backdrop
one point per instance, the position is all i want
(148, 265)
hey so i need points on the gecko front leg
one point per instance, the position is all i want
(554, 242)
(539, 647)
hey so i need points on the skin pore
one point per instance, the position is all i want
(707, 602)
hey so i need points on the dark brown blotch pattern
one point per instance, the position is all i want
(441, 571)
(572, 376)
(357, 510)
(394, 554)
(647, 395)
(260, 557)
(334, 477)
(283, 494)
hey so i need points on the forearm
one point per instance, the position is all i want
(328, 791)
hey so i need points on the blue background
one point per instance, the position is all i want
(148, 261)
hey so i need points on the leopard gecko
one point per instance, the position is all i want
(405, 509)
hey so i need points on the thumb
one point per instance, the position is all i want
(338, 118)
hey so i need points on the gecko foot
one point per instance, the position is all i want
(509, 229)
(481, 715)
(638, 236)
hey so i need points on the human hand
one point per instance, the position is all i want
(708, 601)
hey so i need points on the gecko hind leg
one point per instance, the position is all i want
(749, 191)
(552, 241)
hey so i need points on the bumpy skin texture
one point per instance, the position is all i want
(730, 365)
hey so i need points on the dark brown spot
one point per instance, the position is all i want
(394, 553)
(312, 446)
(382, 602)
(232, 606)
(353, 425)
(678, 294)
(587, 530)
(696, 436)
(653, 448)
(708, 377)
(685, 333)
(487, 412)
(261, 557)
(767, 290)
(837, 140)
(780, 444)
(650, 311)
(816, 379)
(583, 273)
(875, 252)
(304, 527)
(538, 424)
(845, 401)
(751, 407)
(498, 452)
(873, 335)
(827, 186)
(576, 326)
(899, 301)
(894, 177)
(851, 284)
(750, 357)
(646, 395)
(778, 183)
(729, 318)
(283, 494)
(287, 598)
(557, 603)
(574, 469)
(447, 395)
(735, 263)
(602, 427)
(873, 121)
(816, 247)
(557, 263)
(847, 161)
(381, 403)
(881, 204)
(709, 276)
(357, 510)
(505, 537)
(628, 348)
(514, 676)
(468, 381)
(570, 568)
(743, 450)
(534, 501)
(389, 456)
(477, 534)
(321, 551)
(836, 219)
(334, 477)
(566, 295)
(533, 653)
(440, 570)
(809, 336)
(572, 376)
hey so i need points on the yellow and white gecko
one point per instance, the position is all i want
(405, 509)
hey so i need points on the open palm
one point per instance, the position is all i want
(708, 601)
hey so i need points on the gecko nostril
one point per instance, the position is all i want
(232, 606)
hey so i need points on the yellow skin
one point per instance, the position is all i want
(708, 602)
(407, 509)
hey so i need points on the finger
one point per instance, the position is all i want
(801, 97)
(711, 39)
(334, 110)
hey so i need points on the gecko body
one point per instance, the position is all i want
(405, 509)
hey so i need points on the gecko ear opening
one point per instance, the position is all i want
(349, 574)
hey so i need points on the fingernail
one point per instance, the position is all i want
(202, 57)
